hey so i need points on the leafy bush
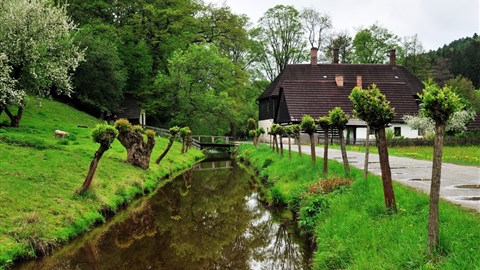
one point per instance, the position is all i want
(123, 125)
(309, 211)
(150, 133)
(104, 134)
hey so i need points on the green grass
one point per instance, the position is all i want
(39, 208)
(461, 155)
(354, 231)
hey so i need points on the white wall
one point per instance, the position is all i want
(406, 130)
(266, 124)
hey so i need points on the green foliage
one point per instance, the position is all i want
(338, 118)
(279, 40)
(372, 44)
(465, 89)
(174, 130)
(296, 130)
(251, 124)
(308, 124)
(252, 133)
(260, 131)
(288, 131)
(150, 133)
(275, 129)
(123, 125)
(438, 103)
(137, 128)
(371, 106)
(324, 122)
(309, 211)
(185, 132)
(104, 134)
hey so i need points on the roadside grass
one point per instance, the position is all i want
(352, 229)
(39, 176)
(460, 155)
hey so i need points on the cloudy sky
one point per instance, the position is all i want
(437, 22)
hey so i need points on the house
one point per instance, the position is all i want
(315, 89)
(131, 109)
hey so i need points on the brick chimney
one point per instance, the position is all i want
(313, 56)
(335, 56)
(339, 80)
(359, 81)
(393, 57)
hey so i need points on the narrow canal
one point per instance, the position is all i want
(207, 218)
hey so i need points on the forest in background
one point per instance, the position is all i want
(202, 65)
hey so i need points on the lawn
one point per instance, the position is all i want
(460, 155)
(351, 227)
(39, 176)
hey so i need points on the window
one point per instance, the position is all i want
(397, 131)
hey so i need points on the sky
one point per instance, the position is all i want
(436, 22)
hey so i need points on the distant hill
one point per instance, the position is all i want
(462, 57)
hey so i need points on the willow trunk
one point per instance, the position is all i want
(388, 192)
(170, 143)
(367, 153)
(343, 147)
(312, 147)
(93, 167)
(325, 152)
(435, 188)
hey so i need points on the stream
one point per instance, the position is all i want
(207, 218)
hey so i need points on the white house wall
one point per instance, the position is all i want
(266, 124)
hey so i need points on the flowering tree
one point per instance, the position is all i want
(457, 124)
(37, 40)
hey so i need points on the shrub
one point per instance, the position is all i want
(104, 134)
(123, 125)
(328, 185)
(150, 133)
(309, 211)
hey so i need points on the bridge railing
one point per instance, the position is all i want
(213, 139)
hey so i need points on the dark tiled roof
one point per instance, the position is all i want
(371, 73)
(317, 98)
(475, 125)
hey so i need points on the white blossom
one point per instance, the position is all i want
(456, 124)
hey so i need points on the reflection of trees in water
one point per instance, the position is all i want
(201, 220)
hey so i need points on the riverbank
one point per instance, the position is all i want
(39, 207)
(350, 225)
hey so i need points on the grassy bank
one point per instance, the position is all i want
(39, 208)
(461, 155)
(351, 227)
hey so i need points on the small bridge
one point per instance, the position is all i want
(201, 141)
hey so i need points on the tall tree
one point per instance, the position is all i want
(9, 95)
(439, 104)
(201, 89)
(414, 58)
(308, 125)
(37, 38)
(465, 89)
(280, 40)
(100, 80)
(317, 26)
(372, 44)
(342, 42)
(372, 107)
(338, 119)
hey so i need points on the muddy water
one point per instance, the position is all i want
(207, 218)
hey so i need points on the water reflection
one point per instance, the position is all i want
(208, 218)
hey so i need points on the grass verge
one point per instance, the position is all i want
(39, 176)
(351, 228)
(460, 155)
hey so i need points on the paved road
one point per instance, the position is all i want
(417, 173)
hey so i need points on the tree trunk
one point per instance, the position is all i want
(299, 146)
(346, 166)
(183, 145)
(270, 140)
(289, 148)
(367, 152)
(170, 143)
(273, 143)
(281, 145)
(93, 167)
(388, 193)
(312, 148)
(15, 119)
(325, 152)
(138, 152)
(435, 188)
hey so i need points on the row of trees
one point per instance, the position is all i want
(370, 105)
(132, 138)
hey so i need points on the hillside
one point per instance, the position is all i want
(39, 208)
